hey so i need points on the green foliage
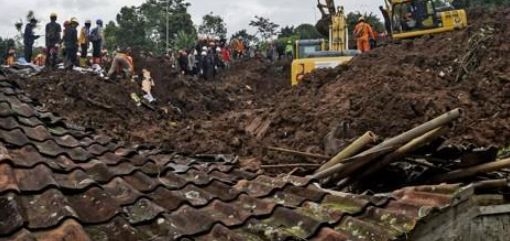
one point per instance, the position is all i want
(286, 32)
(111, 31)
(145, 26)
(371, 18)
(307, 31)
(184, 40)
(213, 25)
(265, 27)
(245, 35)
(5, 45)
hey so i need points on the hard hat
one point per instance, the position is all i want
(99, 21)
(361, 19)
(74, 20)
(88, 21)
(204, 48)
(289, 42)
(218, 49)
(204, 53)
(53, 15)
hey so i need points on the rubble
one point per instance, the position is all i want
(251, 106)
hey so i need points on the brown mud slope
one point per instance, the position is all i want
(397, 87)
(106, 106)
(388, 90)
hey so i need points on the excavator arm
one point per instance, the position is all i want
(327, 10)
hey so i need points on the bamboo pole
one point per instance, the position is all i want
(351, 150)
(391, 143)
(304, 165)
(472, 171)
(299, 153)
(405, 149)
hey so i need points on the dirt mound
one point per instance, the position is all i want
(182, 102)
(388, 90)
(396, 87)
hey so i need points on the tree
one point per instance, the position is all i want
(371, 18)
(213, 25)
(145, 26)
(307, 31)
(111, 31)
(245, 35)
(265, 27)
(286, 32)
(184, 40)
(5, 45)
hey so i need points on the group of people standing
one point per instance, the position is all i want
(67, 41)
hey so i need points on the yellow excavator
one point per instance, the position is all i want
(415, 18)
(313, 54)
(404, 19)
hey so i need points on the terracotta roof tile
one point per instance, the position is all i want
(58, 181)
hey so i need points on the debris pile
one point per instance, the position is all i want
(415, 157)
(251, 106)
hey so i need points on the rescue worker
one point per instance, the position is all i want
(84, 41)
(363, 33)
(53, 38)
(147, 84)
(387, 20)
(29, 39)
(71, 44)
(122, 64)
(97, 39)
(289, 50)
(11, 57)
(40, 59)
(239, 47)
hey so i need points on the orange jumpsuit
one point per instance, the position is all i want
(363, 33)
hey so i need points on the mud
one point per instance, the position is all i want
(250, 106)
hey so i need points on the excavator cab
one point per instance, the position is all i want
(307, 47)
(414, 18)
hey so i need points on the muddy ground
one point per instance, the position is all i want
(250, 106)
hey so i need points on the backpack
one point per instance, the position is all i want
(94, 35)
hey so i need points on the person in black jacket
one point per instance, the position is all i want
(71, 44)
(29, 39)
(53, 38)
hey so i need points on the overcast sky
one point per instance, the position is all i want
(237, 13)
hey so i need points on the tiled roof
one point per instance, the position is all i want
(62, 182)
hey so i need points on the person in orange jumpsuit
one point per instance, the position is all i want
(363, 33)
